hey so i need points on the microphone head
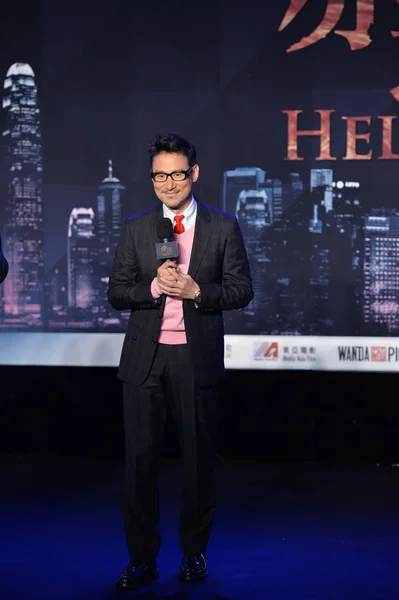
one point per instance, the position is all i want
(164, 229)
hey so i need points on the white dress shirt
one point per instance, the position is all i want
(190, 214)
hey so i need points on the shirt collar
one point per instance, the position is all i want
(189, 214)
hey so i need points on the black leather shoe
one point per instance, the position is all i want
(193, 568)
(137, 574)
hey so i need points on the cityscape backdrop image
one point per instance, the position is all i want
(295, 123)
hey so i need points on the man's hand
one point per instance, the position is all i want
(166, 273)
(176, 284)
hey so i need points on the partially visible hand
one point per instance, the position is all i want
(178, 285)
(167, 274)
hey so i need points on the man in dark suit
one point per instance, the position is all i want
(3, 265)
(173, 353)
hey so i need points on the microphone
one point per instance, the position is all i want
(167, 248)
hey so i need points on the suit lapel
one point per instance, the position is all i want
(202, 233)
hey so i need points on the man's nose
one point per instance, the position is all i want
(170, 183)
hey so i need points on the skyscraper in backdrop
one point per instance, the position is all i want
(381, 280)
(81, 260)
(24, 228)
(109, 226)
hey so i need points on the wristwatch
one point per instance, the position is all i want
(197, 298)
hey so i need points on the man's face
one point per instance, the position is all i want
(176, 195)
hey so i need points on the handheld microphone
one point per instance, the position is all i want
(167, 248)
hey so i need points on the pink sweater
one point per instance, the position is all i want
(172, 326)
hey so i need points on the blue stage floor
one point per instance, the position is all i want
(283, 532)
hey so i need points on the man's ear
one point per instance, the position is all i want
(195, 173)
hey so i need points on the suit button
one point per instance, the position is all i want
(153, 342)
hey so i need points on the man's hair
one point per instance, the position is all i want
(173, 144)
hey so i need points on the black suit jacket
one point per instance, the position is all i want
(219, 265)
(3, 265)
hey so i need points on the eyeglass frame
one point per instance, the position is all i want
(187, 173)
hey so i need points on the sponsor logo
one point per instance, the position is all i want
(266, 351)
(378, 353)
(166, 250)
(299, 354)
(368, 353)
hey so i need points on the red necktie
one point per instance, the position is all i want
(179, 227)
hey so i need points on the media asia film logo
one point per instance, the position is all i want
(294, 353)
(299, 353)
(368, 354)
(266, 351)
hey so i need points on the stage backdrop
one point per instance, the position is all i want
(293, 108)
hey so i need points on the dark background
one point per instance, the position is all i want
(274, 416)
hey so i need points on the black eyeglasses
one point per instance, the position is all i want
(175, 175)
